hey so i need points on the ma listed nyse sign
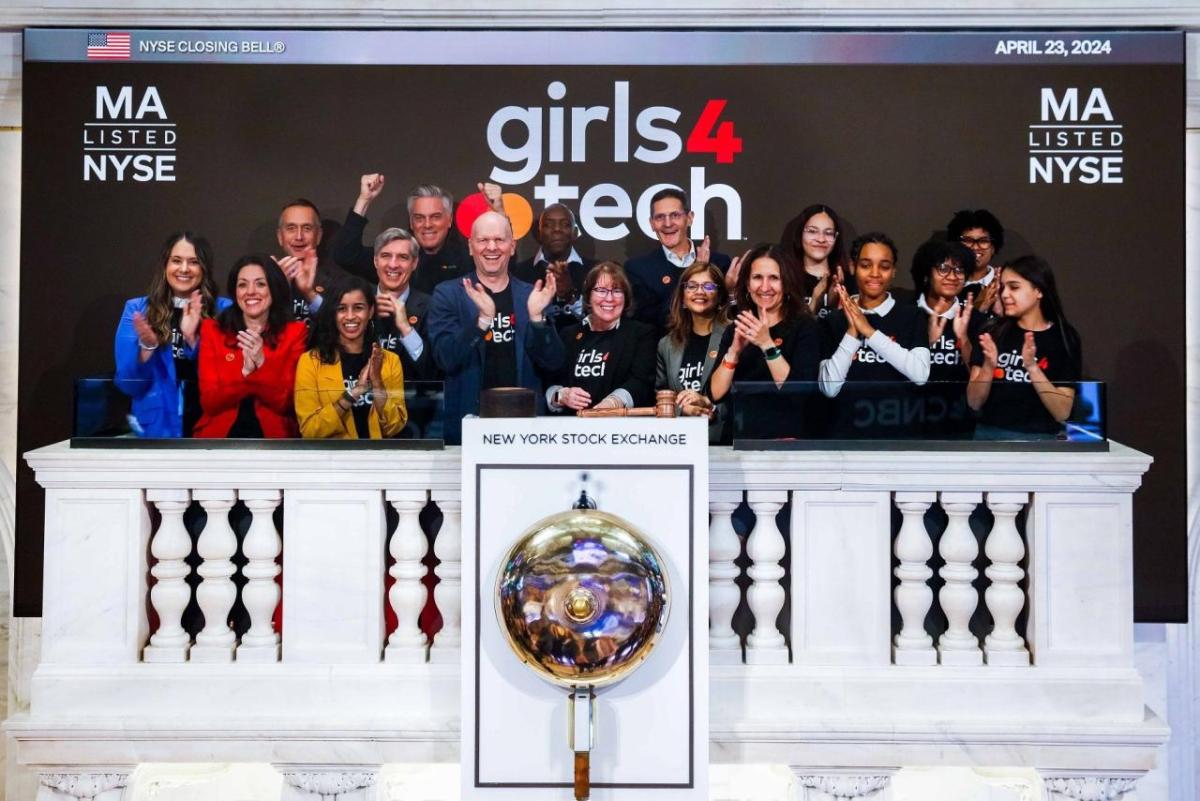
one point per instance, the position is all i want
(130, 137)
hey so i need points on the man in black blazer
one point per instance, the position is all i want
(556, 234)
(654, 276)
(399, 309)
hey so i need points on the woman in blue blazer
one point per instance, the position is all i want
(157, 338)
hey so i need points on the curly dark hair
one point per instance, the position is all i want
(323, 338)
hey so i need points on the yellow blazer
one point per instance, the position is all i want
(318, 387)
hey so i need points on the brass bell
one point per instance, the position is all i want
(582, 598)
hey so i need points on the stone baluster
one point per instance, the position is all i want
(217, 592)
(261, 594)
(448, 592)
(765, 547)
(1005, 598)
(170, 594)
(724, 547)
(958, 598)
(914, 548)
(408, 594)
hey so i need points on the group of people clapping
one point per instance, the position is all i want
(806, 337)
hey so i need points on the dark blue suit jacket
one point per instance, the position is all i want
(459, 348)
(654, 280)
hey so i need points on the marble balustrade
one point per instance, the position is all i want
(868, 610)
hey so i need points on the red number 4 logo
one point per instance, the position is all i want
(724, 144)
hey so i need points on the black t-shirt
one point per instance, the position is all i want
(592, 370)
(904, 324)
(452, 261)
(500, 362)
(945, 359)
(691, 367)
(185, 373)
(352, 365)
(1012, 402)
(762, 412)
(877, 401)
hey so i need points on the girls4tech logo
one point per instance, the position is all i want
(554, 135)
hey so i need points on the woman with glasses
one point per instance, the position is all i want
(939, 270)
(979, 231)
(1024, 370)
(773, 340)
(687, 354)
(609, 360)
(813, 250)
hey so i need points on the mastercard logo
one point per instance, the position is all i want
(487, 337)
(519, 212)
(998, 373)
(1043, 363)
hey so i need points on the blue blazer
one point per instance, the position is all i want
(459, 348)
(157, 396)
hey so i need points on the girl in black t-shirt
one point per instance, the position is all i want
(688, 353)
(813, 250)
(772, 339)
(1026, 361)
(939, 270)
(609, 360)
(876, 349)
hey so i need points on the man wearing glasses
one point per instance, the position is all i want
(655, 275)
(488, 329)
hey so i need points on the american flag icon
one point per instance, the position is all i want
(109, 45)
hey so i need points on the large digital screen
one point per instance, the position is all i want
(1074, 140)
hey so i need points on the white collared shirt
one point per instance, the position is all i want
(681, 262)
(948, 314)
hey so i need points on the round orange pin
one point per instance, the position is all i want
(228, 357)
(666, 279)
(579, 335)
(778, 342)
(712, 354)
(412, 319)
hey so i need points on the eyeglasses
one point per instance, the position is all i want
(692, 286)
(674, 216)
(947, 268)
(608, 291)
(982, 242)
(818, 233)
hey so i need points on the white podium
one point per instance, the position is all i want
(651, 729)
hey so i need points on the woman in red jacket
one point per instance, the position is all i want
(248, 355)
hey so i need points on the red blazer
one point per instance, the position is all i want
(222, 385)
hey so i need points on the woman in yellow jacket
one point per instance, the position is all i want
(347, 387)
